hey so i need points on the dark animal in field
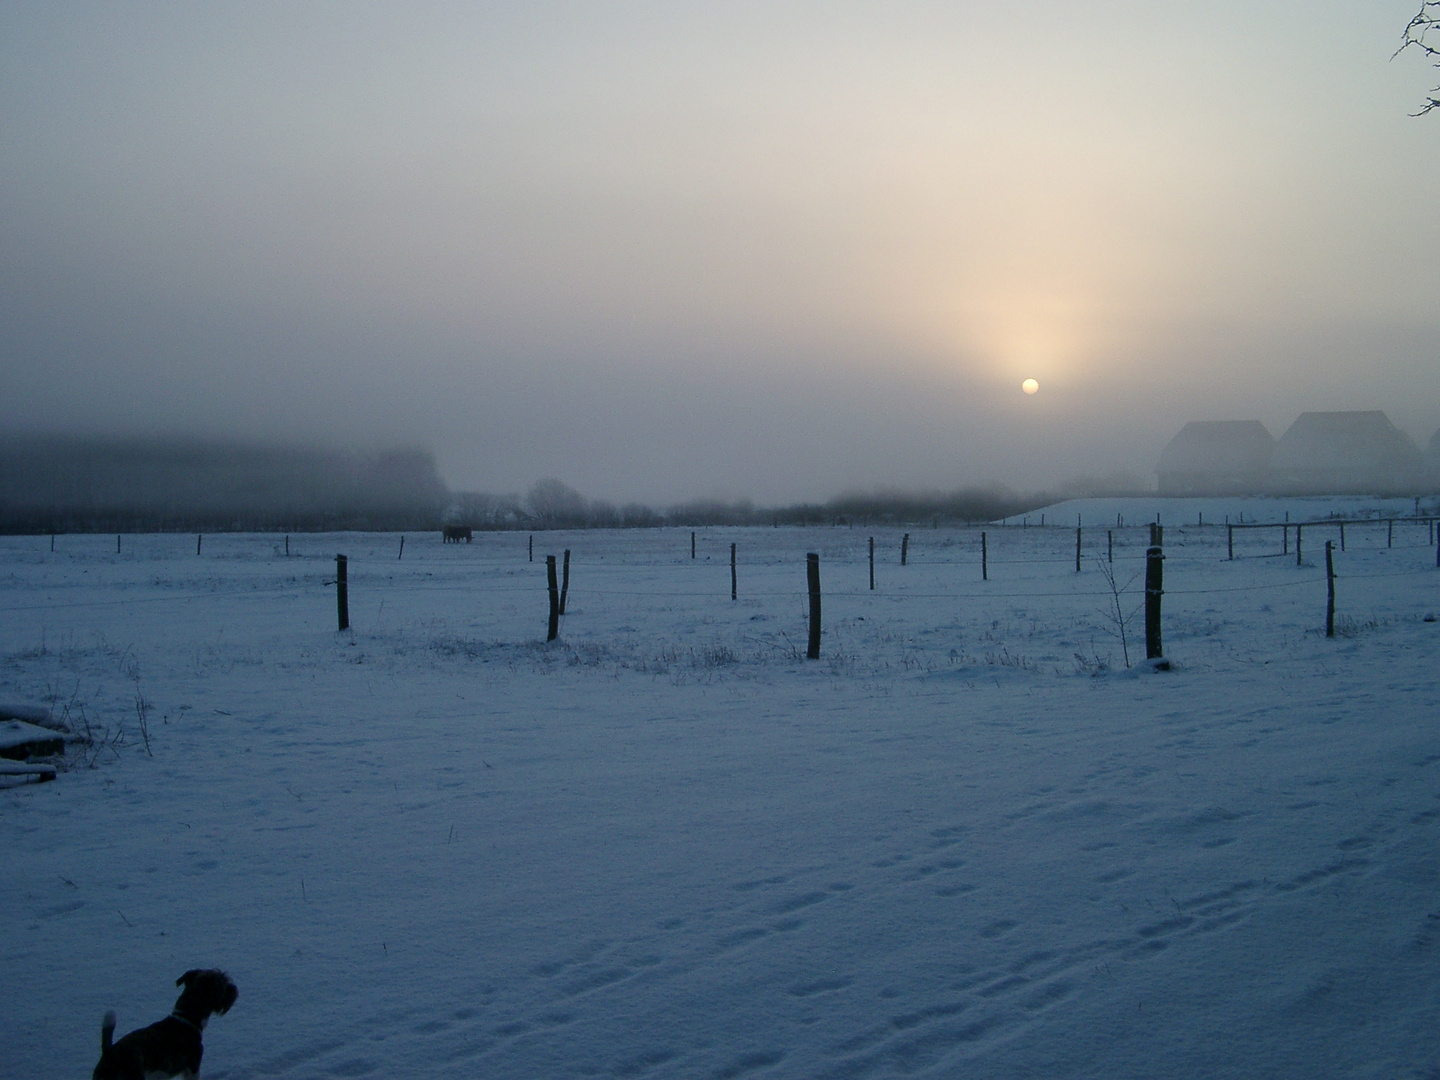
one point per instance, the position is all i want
(169, 1047)
(453, 534)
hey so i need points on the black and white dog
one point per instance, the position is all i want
(172, 1046)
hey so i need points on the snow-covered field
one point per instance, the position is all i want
(965, 842)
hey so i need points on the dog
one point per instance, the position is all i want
(172, 1046)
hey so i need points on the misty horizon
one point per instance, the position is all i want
(751, 252)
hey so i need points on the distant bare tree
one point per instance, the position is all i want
(639, 516)
(1421, 34)
(603, 515)
(556, 505)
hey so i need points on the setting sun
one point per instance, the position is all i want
(1030, 386)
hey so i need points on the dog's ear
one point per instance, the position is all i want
(231, 993)
(186, 979)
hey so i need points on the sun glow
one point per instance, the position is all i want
(1030, 386)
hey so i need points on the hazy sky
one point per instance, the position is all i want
(670, 250)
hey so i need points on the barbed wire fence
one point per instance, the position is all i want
(965, 568)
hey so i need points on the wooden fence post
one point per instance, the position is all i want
(1154, 590)
(1298, 527)
(198, 538)
(692, 543)
(872, 564)
(1390, 533)
(554, 630)
(342, 591)
(905, 549)
(1342, 536)
(565, 582)
(52, 543)
(1077, 549)
(1285, 539)
(1230, 540)
(287, 545)
(402, 548)
(984, 559)
(1330, 589)
(812, 578)
(532, 547)
(1109, 545)
(117, 543)
(734, 582)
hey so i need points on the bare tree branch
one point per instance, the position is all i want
(1418, 37)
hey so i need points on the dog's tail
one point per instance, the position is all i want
(107, 1031)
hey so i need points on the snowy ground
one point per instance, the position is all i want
(967, 841)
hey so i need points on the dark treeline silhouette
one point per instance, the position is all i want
(552, 504)
(127, 485)
(972, 505)
(56, 485)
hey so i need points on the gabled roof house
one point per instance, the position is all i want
(1216, 457)
(1336, 453)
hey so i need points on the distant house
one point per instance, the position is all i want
(1217, 457)
(1337, 453)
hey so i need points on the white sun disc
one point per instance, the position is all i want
(1030, 386)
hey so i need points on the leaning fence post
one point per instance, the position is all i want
(734, 583)
(984, 559)
(1330, 589)
(554, 630)
(565, 582)
(905, 549)
(402, 548)
(342, 591)
(812, 578)
(198, 538)
(1154, 589)
(872, 564)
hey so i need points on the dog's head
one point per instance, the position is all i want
(207, 990)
